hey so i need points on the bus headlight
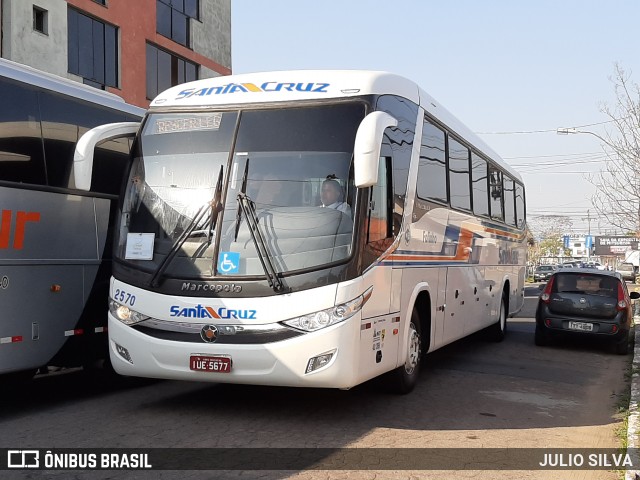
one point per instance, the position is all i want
(324, 318)
(125, 314)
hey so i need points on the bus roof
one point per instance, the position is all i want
(297, 85)
(54, 83)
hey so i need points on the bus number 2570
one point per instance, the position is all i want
(124, 297)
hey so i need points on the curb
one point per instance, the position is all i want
(633, 426)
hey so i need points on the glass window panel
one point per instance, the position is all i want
(191, 8)
(111, 56)
(181, 71)
(21, 158)
(379, 213)
(163, 19)
(98, 52)
(191, 71)
(85, 39)
(61, 117)
(495, 193)
(178, 5)
(432, 174)
(459, 175)
(152, 71)
(73, 47)
(179, 27)
(479, 185)
(164, 71)
(520, 211)
(509, 201)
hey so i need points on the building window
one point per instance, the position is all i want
(101, 2)
(40, 20)
(173, 17)
(93, 50)
(165, 70)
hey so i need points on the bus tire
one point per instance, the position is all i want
(403, 379)
(499, 328)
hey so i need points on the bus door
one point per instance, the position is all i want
(378, 228)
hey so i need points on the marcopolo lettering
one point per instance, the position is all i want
(209, 287)
(307, 87)
(221, 313)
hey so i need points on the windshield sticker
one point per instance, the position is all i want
(139, 246)
(311, 87)
(228, 262)
(173, 125)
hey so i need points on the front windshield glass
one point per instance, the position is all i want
(293, 164)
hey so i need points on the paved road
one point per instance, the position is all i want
(473, 393)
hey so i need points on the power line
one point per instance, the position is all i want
(521, 132)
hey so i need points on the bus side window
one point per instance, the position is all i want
(495, 193)
(21, 158)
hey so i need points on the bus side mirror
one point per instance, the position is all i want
(83, 155)
(367, 146)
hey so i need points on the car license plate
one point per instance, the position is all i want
(583, 327)
(202, 363)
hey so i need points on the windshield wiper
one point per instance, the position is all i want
(212, 208)
(249, 210)
(243, 190)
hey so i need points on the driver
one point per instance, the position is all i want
(331, 195)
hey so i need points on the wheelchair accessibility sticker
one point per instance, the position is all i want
(228, 262)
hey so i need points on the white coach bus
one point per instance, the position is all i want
(55, 240)
(307, 228)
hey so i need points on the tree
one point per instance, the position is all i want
(547, 232)
(617, 196)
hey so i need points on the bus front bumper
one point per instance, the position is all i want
(283, 363)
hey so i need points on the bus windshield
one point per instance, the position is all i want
(288, 163)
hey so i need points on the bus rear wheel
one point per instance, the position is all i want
(498, 329)
(403, 379)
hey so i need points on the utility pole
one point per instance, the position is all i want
(588, 239)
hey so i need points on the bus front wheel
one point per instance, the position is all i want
(403, 379)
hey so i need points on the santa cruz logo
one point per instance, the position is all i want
(221, 313)
(311, 87)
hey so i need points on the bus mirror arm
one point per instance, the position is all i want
(367, 147)
(83, 155)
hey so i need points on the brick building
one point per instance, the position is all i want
(133, 48)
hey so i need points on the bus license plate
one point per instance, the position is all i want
(583, 327)
(201, 363)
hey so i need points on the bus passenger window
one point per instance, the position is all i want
(495, 193)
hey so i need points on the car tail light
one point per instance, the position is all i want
(546, 294)
(622, 301)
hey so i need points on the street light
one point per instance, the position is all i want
(572, 130)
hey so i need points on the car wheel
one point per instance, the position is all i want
(403, 379)
(498, 329)
(622, 347)
(541, 338)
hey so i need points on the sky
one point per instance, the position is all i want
(502, 67)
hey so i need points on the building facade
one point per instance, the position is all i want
(133, 48)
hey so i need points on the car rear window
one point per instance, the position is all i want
(586, 284)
